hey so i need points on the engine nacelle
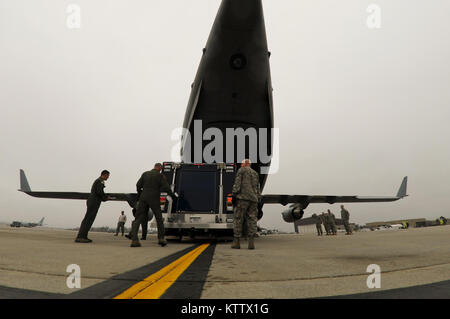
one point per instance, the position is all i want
(292, 214)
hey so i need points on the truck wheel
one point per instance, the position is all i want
(192, 233)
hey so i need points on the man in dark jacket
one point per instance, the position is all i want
(96, 197)
(149, 188)
(144, 224)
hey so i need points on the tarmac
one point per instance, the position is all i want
(414, 263)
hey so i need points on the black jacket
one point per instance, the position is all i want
(152, 184)
(97, 192)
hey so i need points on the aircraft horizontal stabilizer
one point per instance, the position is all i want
(305, 200)
(25, 188)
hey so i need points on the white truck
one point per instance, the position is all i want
(204, 206)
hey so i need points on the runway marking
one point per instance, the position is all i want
(154, 286)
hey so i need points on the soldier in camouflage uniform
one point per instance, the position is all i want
(246, 195)
(325, 222)
(332, 220)
(345, 215)
(318, 222)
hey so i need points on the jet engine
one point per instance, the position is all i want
(292, 214)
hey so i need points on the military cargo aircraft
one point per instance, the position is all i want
(26, 224)
(233, 90)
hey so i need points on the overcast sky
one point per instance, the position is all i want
(357, 108)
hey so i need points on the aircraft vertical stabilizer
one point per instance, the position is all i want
(402, 190)
(24, 186)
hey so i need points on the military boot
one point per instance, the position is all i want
(135, 243)
(236, 244)
(82, 240)
(251, 243)
(162, 242)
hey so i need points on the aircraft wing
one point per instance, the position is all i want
(25, 188)
(305, 200)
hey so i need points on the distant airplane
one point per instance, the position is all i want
(22, 224)
(233, 90)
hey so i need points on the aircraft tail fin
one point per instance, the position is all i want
(402, 190)
(41, 222)
(24, 186)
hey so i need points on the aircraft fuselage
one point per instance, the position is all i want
(232, 88)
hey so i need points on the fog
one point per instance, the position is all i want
(357, 108)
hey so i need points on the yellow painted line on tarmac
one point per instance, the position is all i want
(154, 286)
